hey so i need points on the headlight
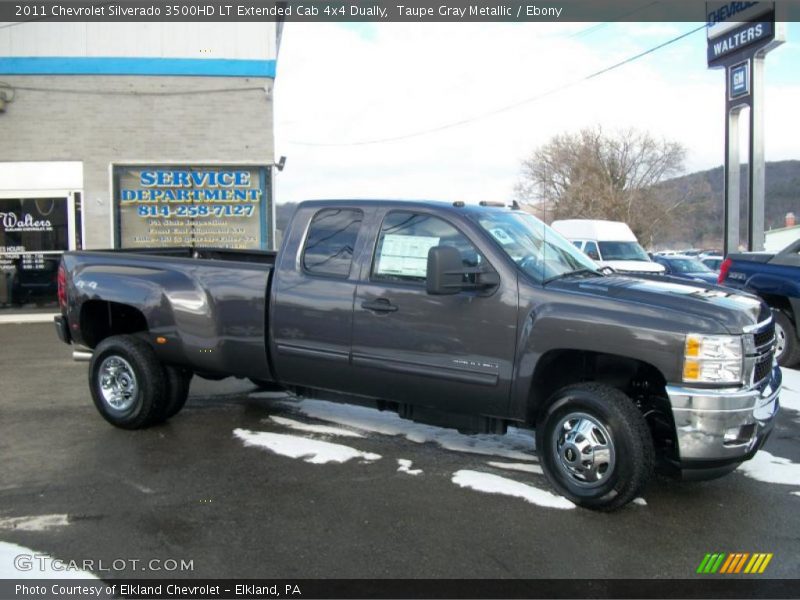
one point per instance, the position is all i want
(713, 358)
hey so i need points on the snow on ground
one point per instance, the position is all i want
(404, 466)
(494, 484)
(18, 562)
(790, 394)
(34, 523)
(517, 467)
(772, 469)
(311, 451)
(516, 444)
(310, 428)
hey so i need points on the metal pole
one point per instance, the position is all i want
(732, 177)
(755, 225)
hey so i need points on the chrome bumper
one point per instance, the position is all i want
(723, 427)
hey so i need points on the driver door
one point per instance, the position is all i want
(453, 353)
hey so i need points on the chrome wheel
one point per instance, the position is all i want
(117, 382)
(584, 449)
(780, 341)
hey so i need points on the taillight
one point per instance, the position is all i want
(723, 270)
(62, 287)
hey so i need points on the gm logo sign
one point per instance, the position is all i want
(739, 80)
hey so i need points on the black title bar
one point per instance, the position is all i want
(135, 589)
(362, 10)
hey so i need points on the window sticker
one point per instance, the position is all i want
(405, 255)
(501, 236)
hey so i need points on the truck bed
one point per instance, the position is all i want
(204, 308)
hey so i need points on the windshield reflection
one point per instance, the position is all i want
(536, 248)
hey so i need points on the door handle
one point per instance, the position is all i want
(379, 305)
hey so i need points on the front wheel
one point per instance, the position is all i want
(127, 382)
(787, 346)
(594, 446)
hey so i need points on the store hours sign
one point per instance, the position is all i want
(197, 206)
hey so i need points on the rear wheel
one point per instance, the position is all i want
(127, 382)
(787, 346)
(178, 382)
(594, 446)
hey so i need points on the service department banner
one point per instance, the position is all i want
(215, 206)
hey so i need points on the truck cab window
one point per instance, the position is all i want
(404, 241)
(330, 242)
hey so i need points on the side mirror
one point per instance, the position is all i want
(445, 271)
(607, 270)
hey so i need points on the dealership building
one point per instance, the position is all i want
(126, 135)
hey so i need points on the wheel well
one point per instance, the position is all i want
(640, 381)
(780, 303)
(100, 319)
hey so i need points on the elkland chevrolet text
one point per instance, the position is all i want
(476, 316)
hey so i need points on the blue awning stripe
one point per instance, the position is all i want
(90, 65)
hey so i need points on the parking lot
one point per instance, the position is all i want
(245, 483)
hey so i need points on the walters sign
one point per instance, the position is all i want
(198, 206)
(738, 30)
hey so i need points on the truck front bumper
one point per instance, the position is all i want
(719, 429)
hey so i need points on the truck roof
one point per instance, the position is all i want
(450, 206)
(594, 229)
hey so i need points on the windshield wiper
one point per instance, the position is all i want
(575, 273)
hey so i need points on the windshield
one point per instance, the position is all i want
(538, 250)
(688, 265)
(622, 251)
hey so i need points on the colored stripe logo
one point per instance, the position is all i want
(735, 562)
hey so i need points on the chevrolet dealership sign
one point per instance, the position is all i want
(736, 29)
(723, 17)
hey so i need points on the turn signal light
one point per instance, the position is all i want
(723, 270)
(62, 287)
(691, 370)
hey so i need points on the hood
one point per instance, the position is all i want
(726, 307)
(633, 266)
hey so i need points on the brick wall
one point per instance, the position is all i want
(103, 119)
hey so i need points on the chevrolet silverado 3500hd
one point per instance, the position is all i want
(478, 316)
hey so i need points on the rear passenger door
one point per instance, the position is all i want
(454, 352)
(312, 304)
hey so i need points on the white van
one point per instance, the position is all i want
(609, 243)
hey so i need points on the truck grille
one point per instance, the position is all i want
(764, 340)
(765, 337)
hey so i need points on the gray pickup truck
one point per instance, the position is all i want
(476, 316)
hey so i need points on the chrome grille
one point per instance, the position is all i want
(764, 340)
(764, 337)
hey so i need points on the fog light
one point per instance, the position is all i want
(736, 436)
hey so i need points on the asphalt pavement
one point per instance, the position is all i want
(245, 483)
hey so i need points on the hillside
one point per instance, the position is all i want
(698, 221)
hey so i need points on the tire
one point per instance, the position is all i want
(787, 346)
(178, 382)
(615, 476)
(267, 386)
(124, 362)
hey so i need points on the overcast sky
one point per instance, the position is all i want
(342, 84)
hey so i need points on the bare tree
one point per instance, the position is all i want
(595, 175)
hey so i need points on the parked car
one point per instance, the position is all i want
(712, 261)
(776, 279)
(476, 316)
(686, 267)
(609, 243)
